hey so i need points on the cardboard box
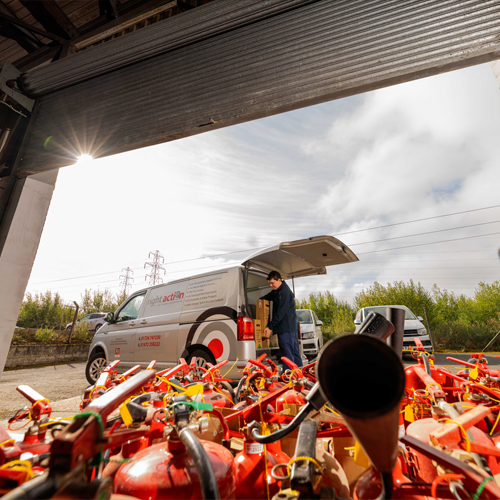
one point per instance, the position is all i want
(258, 330)
(262, 312)
(265, 343)
(273, 342)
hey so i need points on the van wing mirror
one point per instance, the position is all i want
(420, 318)
(357, 322)
(319, 322)
(110, 318)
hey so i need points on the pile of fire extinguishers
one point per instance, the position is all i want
(354, 424)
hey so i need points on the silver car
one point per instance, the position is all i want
(413, 326)
(311, 334)
(95, 321)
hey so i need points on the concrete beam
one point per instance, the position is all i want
(19, 251)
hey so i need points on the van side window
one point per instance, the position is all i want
(131, 309)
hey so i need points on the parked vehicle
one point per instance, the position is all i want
(95, 321)
(311, 334)
(207, 316)
(413, 325)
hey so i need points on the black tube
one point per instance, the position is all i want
(284, 431)
(387, 486)
(43, 486)
(206, 475)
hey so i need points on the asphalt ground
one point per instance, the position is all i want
(63, 385)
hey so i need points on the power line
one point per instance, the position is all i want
(417, 220)
(431, 243)
(338, 234)
(422, 234)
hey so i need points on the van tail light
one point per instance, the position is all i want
(245, 328)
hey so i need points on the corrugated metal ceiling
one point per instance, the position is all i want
(312, 54)
(80, 22)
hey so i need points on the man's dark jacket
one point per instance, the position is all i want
(284, 317)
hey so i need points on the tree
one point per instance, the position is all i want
(44, 310)
(412, 295)
(337, 316)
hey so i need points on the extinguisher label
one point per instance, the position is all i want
(117, 352)
(254, 448)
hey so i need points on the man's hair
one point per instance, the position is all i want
(274, 275)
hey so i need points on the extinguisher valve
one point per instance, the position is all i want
(251, 426)
(202, 425)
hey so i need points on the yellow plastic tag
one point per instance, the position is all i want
(409, 413)
(125, 414)
(360, 457)
(474, 373)
(194, 390)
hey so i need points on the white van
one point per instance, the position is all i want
(413, 325)
(310, 332)
(208, 315)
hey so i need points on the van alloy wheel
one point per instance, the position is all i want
(94, 367)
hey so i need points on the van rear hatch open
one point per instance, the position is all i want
(294, 259)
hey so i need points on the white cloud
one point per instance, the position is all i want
(412, 151)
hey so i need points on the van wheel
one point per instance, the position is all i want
(201, 361)
(94, 367)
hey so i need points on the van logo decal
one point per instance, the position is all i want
(215, 334)
(160, 299)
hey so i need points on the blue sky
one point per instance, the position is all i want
(412, 151)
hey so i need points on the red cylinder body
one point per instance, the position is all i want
(215, 398)
(414, 382)
(369, 485)
(252, 470)
(291, 397)
(421, 429)
(167, 471)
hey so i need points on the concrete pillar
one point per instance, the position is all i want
(495, 67)
(19, 249)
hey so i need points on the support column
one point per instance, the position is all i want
(495, 67)
(20, 244)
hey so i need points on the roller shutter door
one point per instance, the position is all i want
(312, 53)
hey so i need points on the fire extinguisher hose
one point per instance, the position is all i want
(208, 482)
(275, 436)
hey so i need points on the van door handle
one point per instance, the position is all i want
(132, 323)
(144, 322)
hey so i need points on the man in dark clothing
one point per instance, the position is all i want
(284, 322)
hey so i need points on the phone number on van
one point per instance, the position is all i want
(151, 339)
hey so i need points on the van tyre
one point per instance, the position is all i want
(97, 327)
(94, 367)
(202, 358)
